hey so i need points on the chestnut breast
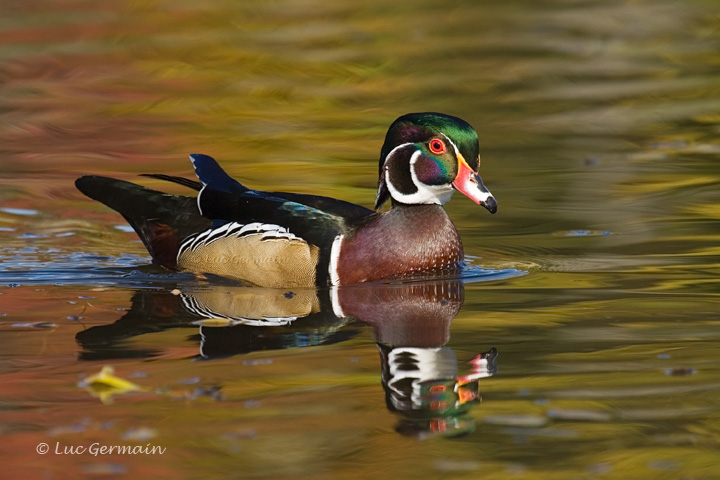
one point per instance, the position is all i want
(405, 241)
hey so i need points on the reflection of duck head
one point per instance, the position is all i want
(411, 323)
(423, 387)
(420, 374)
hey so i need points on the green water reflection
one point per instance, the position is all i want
(599, 128)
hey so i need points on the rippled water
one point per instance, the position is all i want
(596, 282)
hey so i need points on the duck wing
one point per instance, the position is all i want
(315, 218)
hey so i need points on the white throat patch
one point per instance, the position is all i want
(426, 194)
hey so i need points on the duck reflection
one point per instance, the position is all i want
(411, 321)
(230, 320)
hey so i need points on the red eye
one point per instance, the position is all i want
(437, 146)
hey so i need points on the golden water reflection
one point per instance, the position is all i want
(411, 325)
(599, 136)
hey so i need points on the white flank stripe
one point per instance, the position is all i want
(270, 234)
(334, 256)
(250, 227)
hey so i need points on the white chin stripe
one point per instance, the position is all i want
(426, 194)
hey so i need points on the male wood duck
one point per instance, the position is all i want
(278, 239)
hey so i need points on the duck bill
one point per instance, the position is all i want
(471, 185)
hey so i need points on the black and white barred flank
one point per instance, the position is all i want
(233, 229)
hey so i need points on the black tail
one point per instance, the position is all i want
(161, 220)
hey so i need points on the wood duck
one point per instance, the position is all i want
(278, 239)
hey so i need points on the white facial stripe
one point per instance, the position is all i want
(426, 194)
(392, 152)
(457, 152)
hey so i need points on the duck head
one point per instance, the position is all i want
(426, 157)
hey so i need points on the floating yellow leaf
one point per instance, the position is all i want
(105, 384)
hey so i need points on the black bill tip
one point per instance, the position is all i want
(490, 204)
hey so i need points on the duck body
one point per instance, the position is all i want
(279, 239)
